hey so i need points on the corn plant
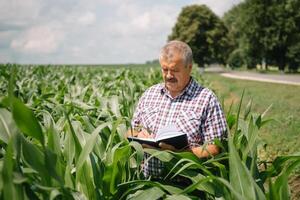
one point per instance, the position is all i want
(62, 136)
(65, 146)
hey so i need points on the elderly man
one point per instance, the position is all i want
(180, 104)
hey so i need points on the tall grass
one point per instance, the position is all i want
(62, 136)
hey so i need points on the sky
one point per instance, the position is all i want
(90, 31)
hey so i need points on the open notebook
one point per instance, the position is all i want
(168, 134)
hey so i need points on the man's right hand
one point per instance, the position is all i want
(144, 134)
(141, 134)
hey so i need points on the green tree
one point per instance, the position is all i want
(281, 33)
(204, 31)
(293, 24)
(233, 21)
(266, 31)
(242, 52)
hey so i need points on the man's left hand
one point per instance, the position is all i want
(162, 145)
(165, 146)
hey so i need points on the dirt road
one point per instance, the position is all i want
(291, 79)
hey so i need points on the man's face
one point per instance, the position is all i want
(175, 73)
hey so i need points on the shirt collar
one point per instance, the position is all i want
(188, 90)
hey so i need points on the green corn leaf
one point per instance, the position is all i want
(248, 109)
(161, 155)
(187, 155)
(53, 136)
(35, 158)
(120, 157)
(280, 187)
(74, 137)
(54, 194)
(151, 193)
(264, 122)
(177, 197)
(7, 125)
(107, 177)
(230, 109)
(26, 121)
(251, 133)
(82, 105)
(109, 158)
(85, 181)
(192, 164)
(231, 120)
(185, 166)
(139, 151)
(271, 195)
(114, 106)
(113, 131)
(99, 148)
(69, 178)
(200, 182)
(77, 196)
(278, 165)
(97, 175)
(240, 178)
(7, 173)
(222, 169)
(87, 149)
(19, 178)
(69, 149)
(79, 132)
(53, 165)
(266, 111)
(141, 183)
(4, 102)
(171, 189)
(238, 112)
(233, 193)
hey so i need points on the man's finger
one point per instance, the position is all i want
(148, 146)
(143, 134)
(165, 146)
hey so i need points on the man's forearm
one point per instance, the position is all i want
(206, 150)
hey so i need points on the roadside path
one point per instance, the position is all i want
(291, 79)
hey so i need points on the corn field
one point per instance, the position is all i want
(62, 136)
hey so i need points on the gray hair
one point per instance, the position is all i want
(167, 52)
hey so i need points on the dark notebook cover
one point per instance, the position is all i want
(178, 140)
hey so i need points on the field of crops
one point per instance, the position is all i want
(62, 136)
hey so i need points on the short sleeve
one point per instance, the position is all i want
(214, 125)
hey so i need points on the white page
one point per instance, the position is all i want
(168, 132)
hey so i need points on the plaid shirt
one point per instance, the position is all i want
(196, 112)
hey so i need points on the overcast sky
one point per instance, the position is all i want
(89, 31)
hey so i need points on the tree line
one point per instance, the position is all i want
(254, 32)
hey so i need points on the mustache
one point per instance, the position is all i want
(171, 80)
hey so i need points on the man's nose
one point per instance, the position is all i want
(169, 74)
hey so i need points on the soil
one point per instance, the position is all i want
(294, 184)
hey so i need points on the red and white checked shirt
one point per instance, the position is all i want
(196, 112)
